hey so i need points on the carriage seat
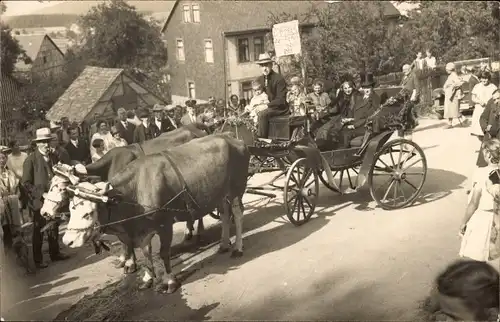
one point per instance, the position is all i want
(356, 142)
(281, 127)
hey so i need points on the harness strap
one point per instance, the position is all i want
(191, 204)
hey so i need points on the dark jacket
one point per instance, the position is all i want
(142, 133)
(363, 109)
(411, 83)
(126, 133)
(165, 125)
(491, 117)
(276, 90)
(37, 174)
(80, 153)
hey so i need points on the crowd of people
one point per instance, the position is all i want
(339, 118)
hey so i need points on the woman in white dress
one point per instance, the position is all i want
(481, 94)
(103, 134)
(453, 94)
(480, 225)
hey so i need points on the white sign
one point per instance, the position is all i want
(286, 38)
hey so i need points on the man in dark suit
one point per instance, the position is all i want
(159, 119)
(125, 128)
(170, 117)
(275, 86)
(147, 130)
(366, 102)
(37, 173)
(78, 149)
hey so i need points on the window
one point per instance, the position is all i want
(180, 50)
(186, 13)
(44, 60)
(243, 50)
(258, 47)
(209, 51)
(247, 92)
(191, 90)
(196, 12)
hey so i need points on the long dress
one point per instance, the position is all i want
(483, 93)
(477, 239)
(452, 96)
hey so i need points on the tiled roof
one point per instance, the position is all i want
(62, 43)
(84, 93)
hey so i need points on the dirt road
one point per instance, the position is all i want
(352, 261)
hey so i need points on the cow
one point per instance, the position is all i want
(151, 193)
(118, 158)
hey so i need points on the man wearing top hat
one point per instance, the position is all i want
(365, 104)
(275, 87)
(190, 116)
(37, 173)
(147, 130)
(159, 119)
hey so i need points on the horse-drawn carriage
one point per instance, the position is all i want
(291, 150)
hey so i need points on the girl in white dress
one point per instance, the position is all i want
(479, 228)
(481, 94)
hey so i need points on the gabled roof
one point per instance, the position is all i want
(32, 44)
(88, 89)
(238, 16)
(84, 93)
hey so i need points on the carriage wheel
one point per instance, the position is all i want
(398, 174)
(301, 192)
(344, 178)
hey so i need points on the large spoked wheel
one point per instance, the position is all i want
(344, 178)
(397, 174)
(301, 192)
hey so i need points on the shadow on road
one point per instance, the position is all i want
(122, 301)
(438, 184)
(430, 127)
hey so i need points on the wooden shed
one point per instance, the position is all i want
(9, 93)
(47, 58)
(98, 93)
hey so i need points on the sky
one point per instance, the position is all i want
(16, 8)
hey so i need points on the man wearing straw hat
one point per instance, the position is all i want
(275, 87)
(37, 173)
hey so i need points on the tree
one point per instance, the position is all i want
(11, 51)
(348, 37)
(455, 30)
(117, 36)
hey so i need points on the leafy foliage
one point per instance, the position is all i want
(117, 36)
(11, 51)
(350, 37)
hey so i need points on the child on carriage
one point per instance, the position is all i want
(258, 102)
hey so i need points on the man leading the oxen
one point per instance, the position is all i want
(275, 86)
(37, 173)
(364, 106)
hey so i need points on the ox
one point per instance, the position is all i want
(116, 160)
(183, 183)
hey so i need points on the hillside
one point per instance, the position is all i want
(64, 14)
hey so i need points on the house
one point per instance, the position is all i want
(100, 92)
(9, 94)
(47, 59)
(212, 45)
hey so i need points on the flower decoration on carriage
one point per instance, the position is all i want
(241, 120)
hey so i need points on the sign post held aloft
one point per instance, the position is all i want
(286, 39)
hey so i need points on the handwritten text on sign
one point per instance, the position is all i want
(286, 38)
